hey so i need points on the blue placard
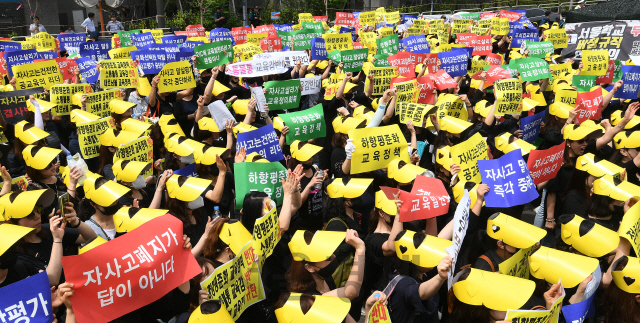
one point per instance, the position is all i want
(630, 79)
(7, 46)
(318, 49)
(353, 31)
(416, 44)
(184, 56)
(580, 311)
(28, 300)
(509, 181)
(408, 19)
(189, 170)
(150, 61)
(19, 57)
(513, 26)
(88, 69)
(47, 55)
(176, 40)
(71, 40)
(356, 14)
(220, 34)
(96, 50)
(142, 41)
(520, 11)
(263, 141)
(530, 126)
(190, 44)
(522, 34)
(170, 49)
(284, 27)
(455, 62)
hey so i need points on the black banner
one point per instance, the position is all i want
(621, 38)
(13, 104)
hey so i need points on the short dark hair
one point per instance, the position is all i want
(91, 14)
(546, 13)
(36, 17)
(220, 8)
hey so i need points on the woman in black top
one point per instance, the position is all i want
(309, 216)
(130, 174)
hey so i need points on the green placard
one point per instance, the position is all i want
(282, 94)
(617, 72)
(584, 83)
(531, 69)
(317, 26)
(353, 59)
(125, 37)
(286, 37)
(471, 15)
(302, 38)
(388, 45)
(381, 61)
(537, 49)
(335, 56)
(305, 124)
(213, 54)
(261, 177)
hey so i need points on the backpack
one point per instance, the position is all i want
(342, 272)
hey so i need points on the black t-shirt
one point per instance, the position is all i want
(405, 303)
(226, 201)
(309, 216)
(18, 272)
(378, 267)
(574, 204)
(42, 250)
(484, 265)
(166, 105)
(633, 172)
(338, 156)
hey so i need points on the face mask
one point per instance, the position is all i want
(390, 222)
(356, 203)
(9, 258)
(139, 183)
(196, 204)
(305, 166)
(205, 79)
(187, 159)
(110, 210)
(454, 140)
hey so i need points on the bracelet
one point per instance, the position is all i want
(551, 220)
(57, 242)
(75, 226)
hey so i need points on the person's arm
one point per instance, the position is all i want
(208, 91)
(250, 111)
(184, 93)
(412, 130)
(579, 295)
(572, 116)
(157, 197)
(54, 268)
(325, 74)
(624, 249)
(424, 68)
(340, 92)
(480, 192)
(608, 136)
(369, 89)
(229, 128)
(290, 188)
(200, 112)
(283, 136)
(6, 179)
(86, 233)
(490, 119)
(152, 93)
(431, 286)
(186, 286)
(349, 149)
(65, 292)
(550, 222)
(354, 283)
(215, 195)
(388, 248)
(607, 98)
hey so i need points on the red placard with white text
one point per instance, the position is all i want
(240, 34)
(544, 164)
(197, 28)
(426, 90)
(269, 29)
(481, 45)
(3, 70)
(130, 271)
(465, 38)
(513, 16)
(488, 15)
(345, 19)
(432, 63)
(428, 199)
(589, 105)
(494, 59)
(357, 45)
(607, 78)
(66, 66)
(273, 42)
(188, 33)
(321, 18)
(442, 80)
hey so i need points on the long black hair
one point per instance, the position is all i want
(252, 209)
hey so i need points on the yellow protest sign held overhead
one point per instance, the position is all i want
(28, 44)
(461, 26)
(630, 227)
(368, 39)
(98, 103)
(415, 112)
(120, 73)
(45, 42)
(382, 78)
(451, 105)
(338, 42)
(560, 69)
(176, 76)
(480, 31)
(509, 97)
(266, 234)
(246, 51)
(386, 31)
(240, 271)
(140, 150)
(477, 66)
(413, 31)
(122, 52)
(33, 75)
(392, 17)
(595, 62)
(89, 134)
(466, 154)
(256, 38)
(485, 23)
(61, 96)
(376, 147)
(408, 91)
(558, 37)
(499, 26)
(379, 313)
(367, 18)
(419, 23)
(305, 17)
(156, 33)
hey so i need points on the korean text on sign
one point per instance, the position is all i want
(508, 179)
(376, 147)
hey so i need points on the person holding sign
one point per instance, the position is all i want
(163, 103)
(120, 111)
(309, 216)
(211, 164)
(186, 202)
(130, 174)
(101, 203)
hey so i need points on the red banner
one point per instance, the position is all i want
(481, 45)
(345, 19)
(3, 70)
(465, 38)
(406, 62)
(357, 45)
(269, 29)
(321, 18)
(495, 73)
(432, 63)
(188, 33)
(272, 41)
(428, 199)
(197, 28)
(240, 34)
(513, 16)
(494, 59)
(130, 271)
(426, 90)
(545, 164)
(488, 15)
(589, 105)
(607, 78)
(442, 80)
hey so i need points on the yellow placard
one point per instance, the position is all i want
(479, 31)
(378, 313)
(256, 38)
(414, 31)
(509, 96)
(199, 38)
(3, 139)
(266, 234)
(558, 37)
(461, 26)
(595, 62)
(61, 96)
(367, 18)
(382, 78)
(517, 265)
(392, 17)
(500, 26)
(376, 147)
(567, 96)
(237, 283)
(89, 134)
(560, 69)
(466, 154)
(443, 37)
(451, 105)
(386, 31)
(630, 227)
(296, 27)
(368, 39)
(122, 52)
(140, 150)
(305, 17)
(338, 42)
(419, 23)
(28, 45)
(485, 23)
(415, 112)
(551, 316)
(33, 75)
(447, 47)
(407, 91)
(98, 103)
(20, 181)
(156, 33)
(176, 76)
(44, 41)
(246, 51)
(122, 74)
(476, 66)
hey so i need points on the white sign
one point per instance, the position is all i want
(256, 67)
(258, 94)
(290, 58)
(460, 225)
(220, 114)
(311, 85)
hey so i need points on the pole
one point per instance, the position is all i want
(326, 8)
(244, 12)
(160, 13)
(101, 23)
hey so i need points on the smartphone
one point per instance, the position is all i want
(62, 200)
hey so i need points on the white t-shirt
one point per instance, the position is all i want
(89, 24)
(39, 30)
